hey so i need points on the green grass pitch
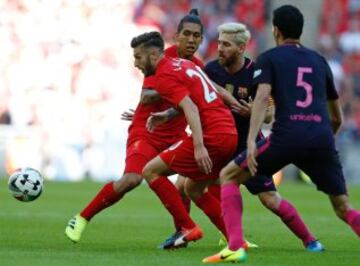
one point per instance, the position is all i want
(128, 233)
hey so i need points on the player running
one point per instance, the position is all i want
(234, 72)
(307, 116)
(142, 145)
(199, 156)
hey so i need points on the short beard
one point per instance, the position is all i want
(149, 69)
(229, 61)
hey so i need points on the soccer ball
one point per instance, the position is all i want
(26, 184)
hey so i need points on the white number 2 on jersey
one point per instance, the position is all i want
(209, 89)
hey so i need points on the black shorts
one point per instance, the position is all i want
(262, 183)
(320, 162)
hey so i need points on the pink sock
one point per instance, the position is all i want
(231, 205)
(353, 219)
(293, 221)
(170, 198)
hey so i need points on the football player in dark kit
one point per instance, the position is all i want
(307, 117)
(234, 72)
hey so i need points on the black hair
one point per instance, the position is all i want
(289, 20)
(148, 39)
(192, 17)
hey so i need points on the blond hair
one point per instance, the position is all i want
(241, 33)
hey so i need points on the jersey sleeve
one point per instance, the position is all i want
(330, 86)
(171, 88)
(262, 72)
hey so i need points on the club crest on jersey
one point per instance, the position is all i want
(176, 63)
(229, 88)
(242, 92)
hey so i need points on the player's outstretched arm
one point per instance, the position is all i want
(335, 114)
(193, 118)
(149, 96)
(230, 101)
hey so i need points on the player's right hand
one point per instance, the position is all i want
(203, 159)
(128, 115)
(156, 119)
(251, 153)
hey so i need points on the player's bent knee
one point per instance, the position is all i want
(127, 182)
(133, 180)
(147, 172)
(271, 200)
(223, 175)
(193, 192)
(229, 173)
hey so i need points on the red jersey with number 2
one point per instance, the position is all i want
(177, 78)
(167, 133)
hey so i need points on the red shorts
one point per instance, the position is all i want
(180, 156)
(138, 153)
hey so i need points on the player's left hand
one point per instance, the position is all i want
(251, 157)
(128, 115)
(156, 119)
(246, 107)
(203, 159)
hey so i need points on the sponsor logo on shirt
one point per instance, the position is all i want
(176, 63)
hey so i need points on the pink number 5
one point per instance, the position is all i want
(308, 88)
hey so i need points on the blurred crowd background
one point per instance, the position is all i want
(67, 73)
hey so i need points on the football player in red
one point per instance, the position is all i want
(142, 145)
(200, 156)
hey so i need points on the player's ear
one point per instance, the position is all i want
(176, 37)
(153, 54)
(242, 47)
(275, 31)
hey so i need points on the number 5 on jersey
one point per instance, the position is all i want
(300, 82)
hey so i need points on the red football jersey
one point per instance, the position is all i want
(172, 52)
(169, 132)
(177, 78)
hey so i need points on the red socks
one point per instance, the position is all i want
(170, 197)
(105, 198)
(211, 207)
(215, 190)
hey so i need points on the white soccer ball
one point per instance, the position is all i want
(26, 184)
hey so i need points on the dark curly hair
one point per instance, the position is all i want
(148, 39)
(289, 20)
